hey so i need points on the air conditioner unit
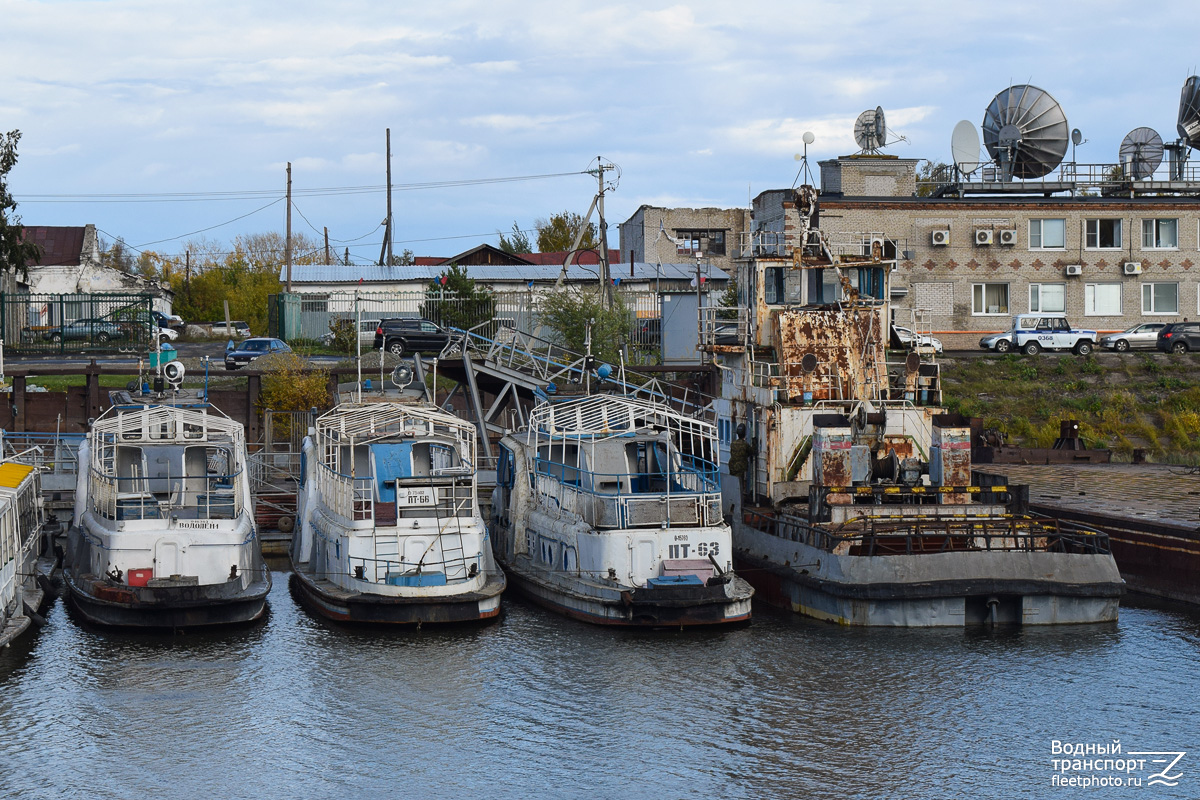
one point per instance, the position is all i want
(983, 236)
(1133, 268)
(940, 238)
(1074, 269)
(1008, 237)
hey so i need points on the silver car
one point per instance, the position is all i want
(1139, 337)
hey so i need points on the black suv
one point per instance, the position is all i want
(400, 336)
(1179, 337)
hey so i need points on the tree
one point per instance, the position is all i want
(519, 243)
(569, 313)
(116, 255)
(14, 250)
(454, 301)
(930, 174)
(558, 233)
(729, 300)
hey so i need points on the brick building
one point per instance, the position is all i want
(711, 232)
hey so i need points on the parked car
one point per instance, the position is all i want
(167, 334)
(1179, 337)
(366, 333)
(1033, 333)
(923, 341)
(167, 320)
(256, 347)
(95, 330)
(1139, 337)
(404, 335)
(237, 328)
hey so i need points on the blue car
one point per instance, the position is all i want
(239, 355)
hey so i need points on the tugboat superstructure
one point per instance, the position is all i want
(852, 489)
(608, 509)
(164, 535)
(389, 529)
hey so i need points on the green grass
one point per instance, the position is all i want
(1122, 402)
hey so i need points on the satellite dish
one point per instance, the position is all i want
(964, 146)
(1189, 112)
(1141, 153)
(808, 137)
(1077, 137)
(402, 376)
(870, 130)
(1025, 132)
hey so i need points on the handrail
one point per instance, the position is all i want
(705, 478)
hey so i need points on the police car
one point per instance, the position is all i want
(1033, 333)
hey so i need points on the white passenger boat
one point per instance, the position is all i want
(389, 529)
(21, 592)
(164, 535)
(608, 509)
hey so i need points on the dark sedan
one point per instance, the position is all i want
(242, 354)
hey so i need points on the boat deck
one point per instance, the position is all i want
(1158, 494)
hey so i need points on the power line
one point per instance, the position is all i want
(329, 191)
(213, 227)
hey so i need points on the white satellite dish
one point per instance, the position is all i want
(964, 146)
(808, 137)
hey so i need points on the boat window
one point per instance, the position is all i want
(504, 468)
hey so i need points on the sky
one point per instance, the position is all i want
(163, 122)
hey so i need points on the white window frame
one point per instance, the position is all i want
(1041, 224)
(1154, 221)
(1089, 299)
(1153, 311)
(1037, 307)
(1120, 245)
(983, 287)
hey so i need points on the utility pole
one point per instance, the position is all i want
(187, 274)
(327, 261)
(605, 279)
(387, 233)
(287, 244)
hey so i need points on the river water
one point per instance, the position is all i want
(540, 706)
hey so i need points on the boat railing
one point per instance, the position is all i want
(398, 572)
(688, 496)
(48, 452)
(885, 535)
(186, 497)
(355, 498)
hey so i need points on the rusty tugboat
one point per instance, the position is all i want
(850, 487)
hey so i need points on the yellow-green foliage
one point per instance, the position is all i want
(291, 383)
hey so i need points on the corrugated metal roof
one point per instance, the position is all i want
(374, 274)
(11, 474)
(61, 245)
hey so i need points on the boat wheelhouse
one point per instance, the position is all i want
(389, 529)
(856, 500)
(608, 509)
(22, 594)
(164, 535)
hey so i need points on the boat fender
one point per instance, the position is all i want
(627, 598)
(47, 585)
(34, 617)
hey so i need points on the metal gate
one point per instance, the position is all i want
(73, 323)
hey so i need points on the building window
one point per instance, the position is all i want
(1160, 234)
(773, 285)
(1047, 297)
(315, 302)
(989, 298)
(706, 241)
(1047, 234)
(1103, 234)
(1160, 298)
(1102, 299)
